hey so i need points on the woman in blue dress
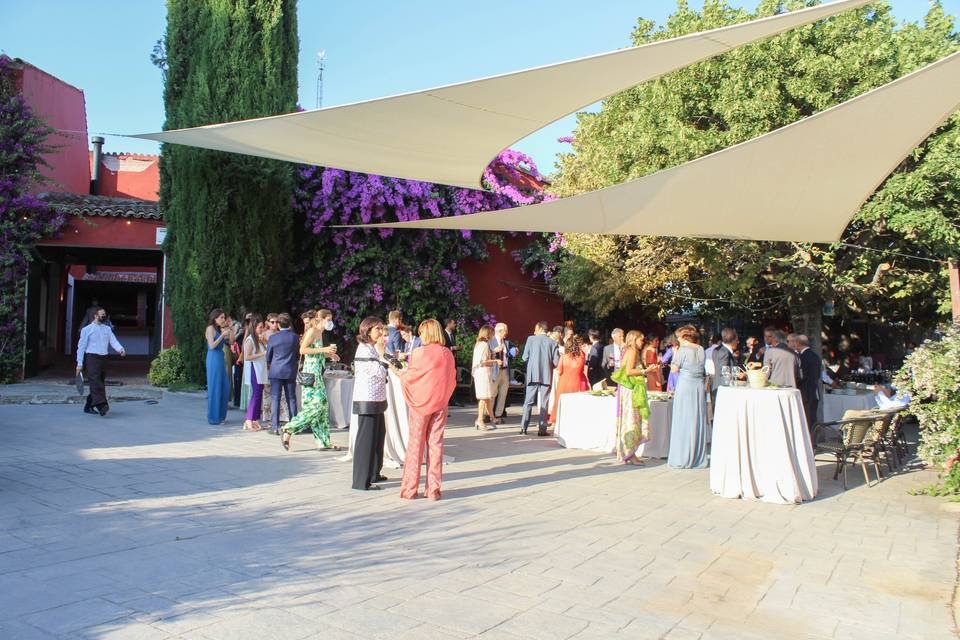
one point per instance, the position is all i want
(688, 428)
(218, 385)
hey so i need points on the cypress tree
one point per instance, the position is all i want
(228, 216)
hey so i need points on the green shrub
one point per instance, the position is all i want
(931, 375)
(168, 368)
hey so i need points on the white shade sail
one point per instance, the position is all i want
(448, 135)
(803, 182)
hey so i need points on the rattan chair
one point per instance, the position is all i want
(856, 443)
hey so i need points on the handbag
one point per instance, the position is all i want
(305, 378)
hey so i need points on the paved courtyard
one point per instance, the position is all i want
(151, 524)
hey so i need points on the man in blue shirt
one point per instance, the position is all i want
(395, 342)
(95, 341)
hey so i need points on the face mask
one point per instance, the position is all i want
(329, 325)
(102, 318)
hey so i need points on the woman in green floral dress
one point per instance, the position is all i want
(314, 413)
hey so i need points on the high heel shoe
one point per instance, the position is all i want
(478, 425)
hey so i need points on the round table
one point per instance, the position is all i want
(835, 404)
(761, 446)
(586, 421)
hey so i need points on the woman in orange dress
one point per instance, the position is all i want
(570, 373)
(653, 365)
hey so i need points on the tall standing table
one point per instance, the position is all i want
(761, 446)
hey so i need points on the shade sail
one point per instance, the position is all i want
(449, 135)
(803, 182)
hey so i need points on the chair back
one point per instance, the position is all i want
(859, 430)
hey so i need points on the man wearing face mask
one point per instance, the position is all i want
(95, 340)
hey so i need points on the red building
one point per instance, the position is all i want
(109, 252)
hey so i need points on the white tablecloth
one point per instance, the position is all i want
(398, 428)
(586, 421)
(761, 446)
(835, 405)
(339, 399)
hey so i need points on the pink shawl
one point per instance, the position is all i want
(430, 379)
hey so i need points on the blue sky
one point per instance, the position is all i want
(373, 48)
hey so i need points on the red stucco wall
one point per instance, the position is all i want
(508, 294)
(63, 107)
(142, 185)
(110, 233)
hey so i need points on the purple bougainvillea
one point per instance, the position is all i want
(356, 272)
(24, 219)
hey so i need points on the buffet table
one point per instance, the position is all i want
(761, 446)
(836, 404)
(586, 421)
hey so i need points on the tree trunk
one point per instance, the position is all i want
(808, 320)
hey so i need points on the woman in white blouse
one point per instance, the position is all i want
(369, 403)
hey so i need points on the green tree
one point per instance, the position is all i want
(902, 234)
(229, 217)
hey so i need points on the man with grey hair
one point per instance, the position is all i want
(613, 353)
(503, 352)
(792, 343)
(811, 369)
(783, 362)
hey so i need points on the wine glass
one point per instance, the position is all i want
(725, 375)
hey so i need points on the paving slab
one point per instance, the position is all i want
(151, 524)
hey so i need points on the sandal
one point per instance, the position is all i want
(285, 440)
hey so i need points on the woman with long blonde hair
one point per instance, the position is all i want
(632, 409)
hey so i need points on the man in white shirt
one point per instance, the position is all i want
(504, 352)
(95, 341)
(613, 353)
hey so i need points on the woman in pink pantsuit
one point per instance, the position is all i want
(428, 382)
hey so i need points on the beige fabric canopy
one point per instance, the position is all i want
(800, 183)
(449, 135)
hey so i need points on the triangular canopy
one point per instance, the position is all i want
(800, 183)
(448, 135)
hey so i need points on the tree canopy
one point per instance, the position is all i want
(891, 262)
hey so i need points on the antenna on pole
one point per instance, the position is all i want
(321, 63)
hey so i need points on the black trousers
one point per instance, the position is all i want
(237, 383)
(368, 449)
(810, 404)
(96, 368)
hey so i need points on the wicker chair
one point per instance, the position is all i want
(897, 439)
(856, 444)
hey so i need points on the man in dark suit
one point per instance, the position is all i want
(723, 356)
(811, 371)
(541, 355)
(784, 364)
(595, 370)
(283, 349)
(395, 342)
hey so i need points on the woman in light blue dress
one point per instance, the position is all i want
(218, 385)
(688, 428)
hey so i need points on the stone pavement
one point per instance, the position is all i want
(151, 524)
(59, 391)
